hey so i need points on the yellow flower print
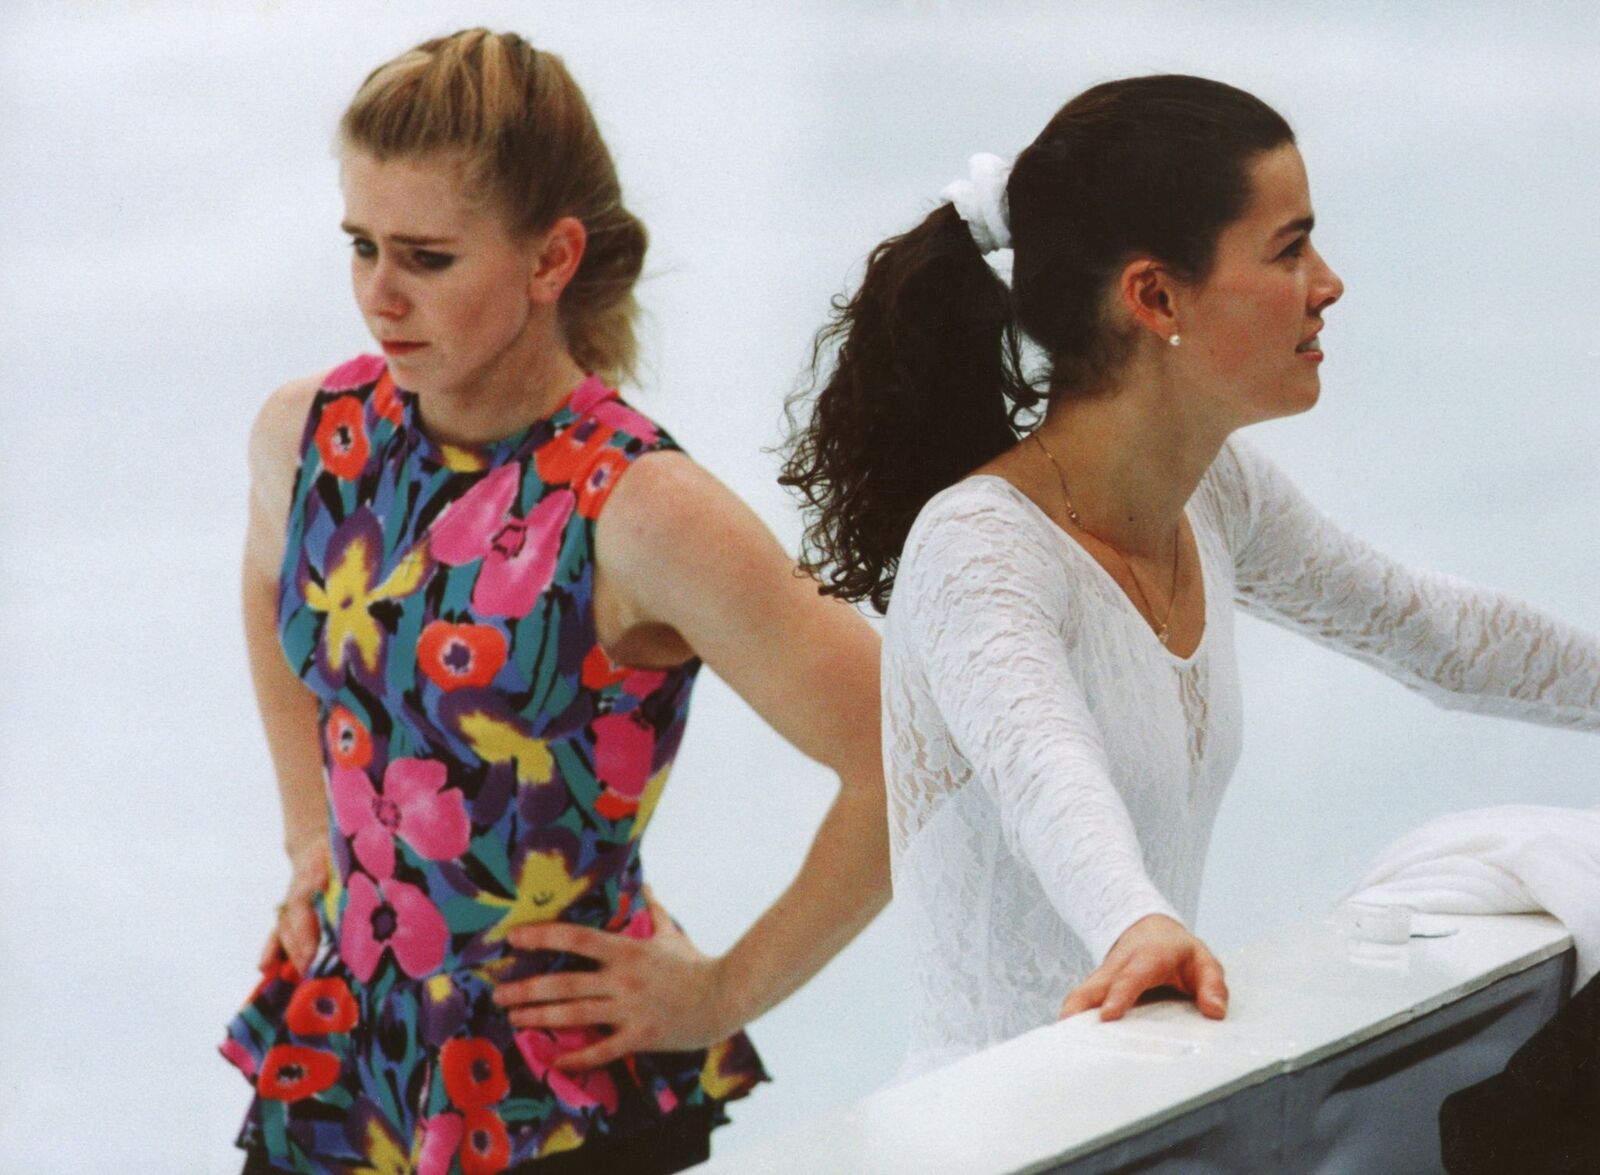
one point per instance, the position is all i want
(651, 796)
(439, 987)
(330, 897)
(717, 1084)
(384, 1155)
(346, 595)
(544, 890)
(407, 575)
(496, 741)
(563, 1138)
(459, 460)
(344, 598)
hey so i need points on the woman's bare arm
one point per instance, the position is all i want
(680, 550)
(288, 708)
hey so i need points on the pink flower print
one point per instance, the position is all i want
(641, 683)
(594, 398)
(441, 1139)
(623, 748)
(413, 805)
(240, 1056)
(641, 924)
(588, 394)
(576, 1091)
(391, 916)
(519, 554)
(358, 372)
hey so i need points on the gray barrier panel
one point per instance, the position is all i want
(1372, 1109)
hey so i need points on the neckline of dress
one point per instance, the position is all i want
(582, 396)
(1109, 581)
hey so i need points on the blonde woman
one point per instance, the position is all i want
(478, 587)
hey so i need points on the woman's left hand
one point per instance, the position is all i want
(656, 994)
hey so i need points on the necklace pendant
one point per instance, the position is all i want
(1163, 635)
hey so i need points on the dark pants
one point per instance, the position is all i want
(678, 1142)
(1538, 1114)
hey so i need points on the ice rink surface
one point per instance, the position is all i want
(170, 253)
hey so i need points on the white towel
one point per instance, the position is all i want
(1517, 859)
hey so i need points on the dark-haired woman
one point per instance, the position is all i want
(1062, 710)
(478, 588)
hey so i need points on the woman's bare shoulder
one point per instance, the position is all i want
(274, 462)
(275, 436)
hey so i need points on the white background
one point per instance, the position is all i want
(169, 253)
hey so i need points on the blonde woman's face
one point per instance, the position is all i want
(439, 277)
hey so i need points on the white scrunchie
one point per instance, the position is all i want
(981, 201)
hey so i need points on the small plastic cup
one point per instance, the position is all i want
(1378, 934)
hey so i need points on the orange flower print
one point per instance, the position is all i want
(485, 1147)
(566, 460)
(321, 1006)
(599, 670)
(474, 1072)
(292, 1072)
(349, 743)
(386, 399)
(598, 478)
(342, 438)
(457, 655)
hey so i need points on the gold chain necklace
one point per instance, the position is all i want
(1161, 629)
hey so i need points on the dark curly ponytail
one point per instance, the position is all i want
(927, 382)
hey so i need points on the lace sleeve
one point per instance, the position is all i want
(1461, 646)
(981, 607)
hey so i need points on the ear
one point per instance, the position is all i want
(556, 255)
(1147, 291)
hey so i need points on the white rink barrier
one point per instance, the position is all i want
(1328, 1061)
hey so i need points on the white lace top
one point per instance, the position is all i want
(1054, 771)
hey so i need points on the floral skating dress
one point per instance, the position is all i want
(487, 766)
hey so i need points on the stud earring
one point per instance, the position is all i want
(1173, 339)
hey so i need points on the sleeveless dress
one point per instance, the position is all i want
(487, 766)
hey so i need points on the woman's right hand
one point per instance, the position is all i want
(297, 932)
(1155, 951)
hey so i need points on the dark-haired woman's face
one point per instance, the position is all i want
(1250, 329)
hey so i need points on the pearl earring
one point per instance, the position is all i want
(1173, 339)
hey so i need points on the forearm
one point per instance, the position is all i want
(289, 715)
(842, 885)
(1492, 653)
(305, 813)
(806, 664)
(1461, 645)
(289, 711)
(300, 788)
